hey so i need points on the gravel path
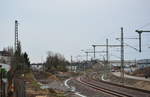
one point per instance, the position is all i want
(131, 77)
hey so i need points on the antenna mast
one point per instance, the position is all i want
(16, 35)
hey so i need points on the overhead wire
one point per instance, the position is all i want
(129, 45)
(143, 26)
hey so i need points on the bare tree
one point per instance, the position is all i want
(56, 62)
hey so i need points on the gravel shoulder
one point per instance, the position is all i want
(141, 84)
(85, 90)
(98, 69)
(52, 85)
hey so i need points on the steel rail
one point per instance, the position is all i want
(102, 89)
(119, 85)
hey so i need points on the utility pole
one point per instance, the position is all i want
(107, 46)
(42, 63)
(16, 35)
(71, 63)
(85, 61)
(140, 34)
(1, 82)
(106, 62)
(107, 55)
(122, 57)
(94, 50)
(87, 54)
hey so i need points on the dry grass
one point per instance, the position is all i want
(142, 72)
(33, 87)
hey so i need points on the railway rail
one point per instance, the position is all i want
(114, 90)
(104, 90)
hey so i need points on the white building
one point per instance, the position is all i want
(5, 57)
(143, 63)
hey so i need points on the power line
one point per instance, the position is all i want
(128, 44)
(144, 26)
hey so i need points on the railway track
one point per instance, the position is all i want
(113, 89)
(104, 90)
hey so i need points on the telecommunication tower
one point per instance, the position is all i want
(16, 35)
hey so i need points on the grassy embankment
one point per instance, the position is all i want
(33, 87)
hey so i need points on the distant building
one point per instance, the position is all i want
(38, 66)
(143, 63)
(72, 68)
(5, 57)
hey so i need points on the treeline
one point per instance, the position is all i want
(19, 60)
(56, 62)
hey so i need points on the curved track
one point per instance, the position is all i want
(104, 90)
(114, 90)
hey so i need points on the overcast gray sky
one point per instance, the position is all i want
(67, 26)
